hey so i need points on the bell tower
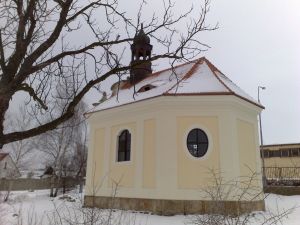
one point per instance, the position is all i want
(141, 53)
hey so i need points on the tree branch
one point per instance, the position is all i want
(25, 87)
(69, 112)
(75, 52)
(2, 57)
(35, 31)
(49, 42)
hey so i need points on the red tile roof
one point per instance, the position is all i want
(197, 77)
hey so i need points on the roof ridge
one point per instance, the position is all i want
(220, 84)
(175, 67)
(213, 69)
(188, 73)
(161, 71)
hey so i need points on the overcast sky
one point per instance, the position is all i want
(258, 44)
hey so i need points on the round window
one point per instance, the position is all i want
(197, 142)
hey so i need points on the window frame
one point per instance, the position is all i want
(276, 153)
(266, 153)
(126, 144)
(293, 150)
(284, 152)
(209, 137)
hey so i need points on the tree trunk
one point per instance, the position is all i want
(4, 104)
(81, 185)
(52, 182)
(7, 193)
(57, 185)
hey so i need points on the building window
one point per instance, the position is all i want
(295, 152)
(266, 153)
(197, 142)
(124, 144)
(276, 153)
(284, 152)
(271, 154)
(5, 165)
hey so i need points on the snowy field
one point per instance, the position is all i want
(36, 208)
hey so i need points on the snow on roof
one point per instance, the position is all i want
(197, 77)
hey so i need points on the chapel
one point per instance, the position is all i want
(161, 139)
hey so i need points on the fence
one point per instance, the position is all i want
(283, 175)
(36, 184)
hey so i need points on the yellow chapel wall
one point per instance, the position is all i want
(149, 154)
(163, 168)
(249, 154)
(194, 173)
(95, 156)
(122, 174)
(246, 144)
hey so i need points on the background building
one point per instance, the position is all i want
(282, 162)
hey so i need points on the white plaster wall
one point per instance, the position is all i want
(165, 110)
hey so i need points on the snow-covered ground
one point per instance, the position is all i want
(36, 208)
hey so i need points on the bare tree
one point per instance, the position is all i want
(79, 159)
(37, 51)
(61, 144)
(221, 190)
(20, 151)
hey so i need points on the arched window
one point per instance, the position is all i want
(124, 144)
(197, 142)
